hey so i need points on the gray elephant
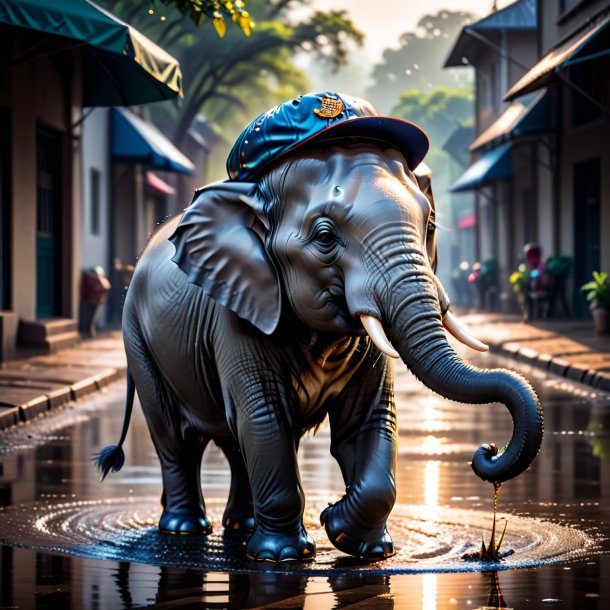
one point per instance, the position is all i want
(280, 297)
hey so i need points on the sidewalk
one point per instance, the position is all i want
(31, 386)
(569, 348)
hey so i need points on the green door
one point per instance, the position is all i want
(587, 231)
(48, 206)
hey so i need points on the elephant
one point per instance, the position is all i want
(281, 297)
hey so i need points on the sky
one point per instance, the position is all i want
(382, 29)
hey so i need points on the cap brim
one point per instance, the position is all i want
(408, 138)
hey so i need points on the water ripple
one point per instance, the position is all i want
(427, 539)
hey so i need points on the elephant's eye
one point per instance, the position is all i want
(324, 235)
(431, 224)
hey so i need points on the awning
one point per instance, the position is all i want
(529, 115)
(121, 66)
(457, 144)
(493, 165)
(559, 57)
(468, 222)
(135, 141)
(518, 16)
(158, 185)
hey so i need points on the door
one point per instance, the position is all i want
(48, 207)
(587, 232)
(5, 236)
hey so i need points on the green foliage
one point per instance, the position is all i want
(597, 291)
(559, 266)
(438, 111)
(200, 11)
(233, 79)
(418, 62)
(519, 279)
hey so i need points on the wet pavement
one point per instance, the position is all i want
(557, 511)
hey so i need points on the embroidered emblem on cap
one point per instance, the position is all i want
(330, 108)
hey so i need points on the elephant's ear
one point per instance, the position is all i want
(423, 175)
(219, 245)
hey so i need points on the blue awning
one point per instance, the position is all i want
(493, 165)
(135, 141)
(531, 114)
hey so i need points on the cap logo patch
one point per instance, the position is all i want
(330, 108)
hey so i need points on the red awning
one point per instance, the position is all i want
(159, 186)
(468, 222)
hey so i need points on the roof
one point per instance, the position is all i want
(560, 57)
(457, 143)
(528, 115)
(519, 16)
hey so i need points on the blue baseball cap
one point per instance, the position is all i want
(317, 117)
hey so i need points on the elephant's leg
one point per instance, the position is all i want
(239, 512)
(364, 442)
(182, 500)
(270, 453)
(179, 453)
(266, 437)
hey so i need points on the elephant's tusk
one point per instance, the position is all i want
(461, 334)
(377, 334)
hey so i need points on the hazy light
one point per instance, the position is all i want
(431, 484)
(428, 594)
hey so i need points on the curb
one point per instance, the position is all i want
(598, 380)
(52, 399)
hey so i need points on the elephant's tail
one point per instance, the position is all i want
(112, 457)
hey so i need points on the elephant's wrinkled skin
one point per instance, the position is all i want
(324, 237)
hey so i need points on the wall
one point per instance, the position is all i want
(38, 91)
(96, 156)
(555, 27)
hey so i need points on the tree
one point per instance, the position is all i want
(239, 73)
(438, 112)
(418, 62)
(199, 11)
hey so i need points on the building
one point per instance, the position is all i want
(574, 65)
(500, 48)
(55, 59)
(127, 166)
(541, 159)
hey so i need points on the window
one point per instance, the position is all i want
(587, 77)
(94, 201)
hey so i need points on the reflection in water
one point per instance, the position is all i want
(431, 480)
(428, 601)
(495, 599)
(49, 461)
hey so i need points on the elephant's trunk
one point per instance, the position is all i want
(411, 316)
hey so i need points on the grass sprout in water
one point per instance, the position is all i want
(491, 552)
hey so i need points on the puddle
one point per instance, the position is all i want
(426, 540)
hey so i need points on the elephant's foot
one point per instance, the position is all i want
(297, 547)
(372, 544)
(239, 520)
(185, 521)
